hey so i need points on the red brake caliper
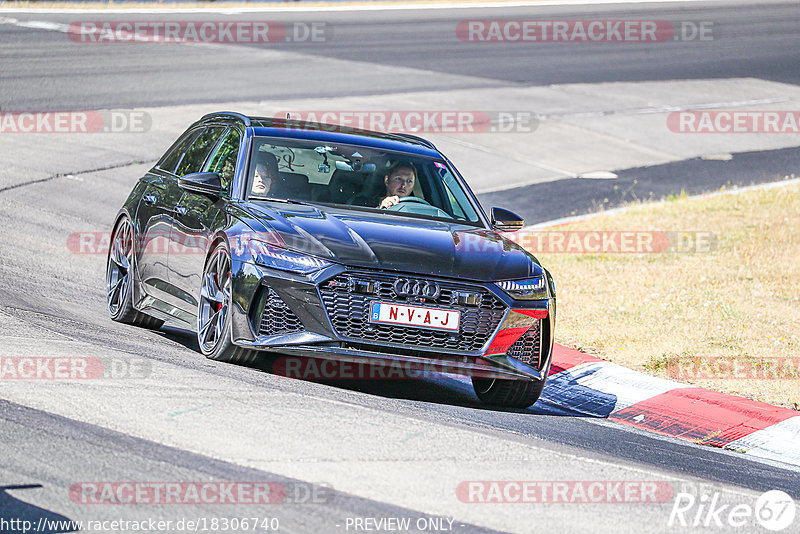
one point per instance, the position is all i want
(216, 277)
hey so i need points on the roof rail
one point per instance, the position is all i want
(233, 114)
(420, 140)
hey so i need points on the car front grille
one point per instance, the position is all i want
(347, 299)
(277, 318)
(528, 348)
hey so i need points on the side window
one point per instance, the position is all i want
(223, 160)
(172, 158)
(196, 155)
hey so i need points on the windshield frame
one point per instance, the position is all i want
(471, 198)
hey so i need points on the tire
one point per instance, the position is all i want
(213, 311)
(119, 280)
(508, 393)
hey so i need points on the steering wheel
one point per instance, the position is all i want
(418, 206)
(410, 201)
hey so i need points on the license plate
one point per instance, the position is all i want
(437, 318)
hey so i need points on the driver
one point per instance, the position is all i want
(399, 182)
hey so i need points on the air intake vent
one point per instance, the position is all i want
(528, 348)
(277, 318)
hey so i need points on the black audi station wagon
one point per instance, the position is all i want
(314, 241)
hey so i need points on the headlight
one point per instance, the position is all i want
(530, 289)
(284, 260)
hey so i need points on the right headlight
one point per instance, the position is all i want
(269, 255)
(528, 289)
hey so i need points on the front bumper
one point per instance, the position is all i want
(287, 313)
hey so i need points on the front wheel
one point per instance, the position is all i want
(508, 393)
(213, 314)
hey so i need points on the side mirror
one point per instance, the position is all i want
(207, 183)
(506, 221)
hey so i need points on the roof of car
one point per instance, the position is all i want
(294, 129)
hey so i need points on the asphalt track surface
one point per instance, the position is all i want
(52, 297)
(757, 42)
(694, 176)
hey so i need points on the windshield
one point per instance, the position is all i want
(348, 175)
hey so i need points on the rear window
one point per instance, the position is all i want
(197, 153)
(170, 160)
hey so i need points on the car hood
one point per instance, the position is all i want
(382, 240)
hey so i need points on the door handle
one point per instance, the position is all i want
(150, 199)
(183, 210)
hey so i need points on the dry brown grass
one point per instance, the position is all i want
(739, 302)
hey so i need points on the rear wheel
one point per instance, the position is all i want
(119, 279)
(508, 393)
(213, 314)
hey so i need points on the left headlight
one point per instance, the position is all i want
(529, 289)
(283, 259)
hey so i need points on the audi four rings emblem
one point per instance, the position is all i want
(404, 287)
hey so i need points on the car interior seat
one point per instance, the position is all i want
(343, 186)
(293, 185)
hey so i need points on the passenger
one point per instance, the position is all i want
(227, 172)
(265, 174)
(399, 182)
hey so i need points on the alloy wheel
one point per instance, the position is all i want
(120, 259)
(215, 298)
